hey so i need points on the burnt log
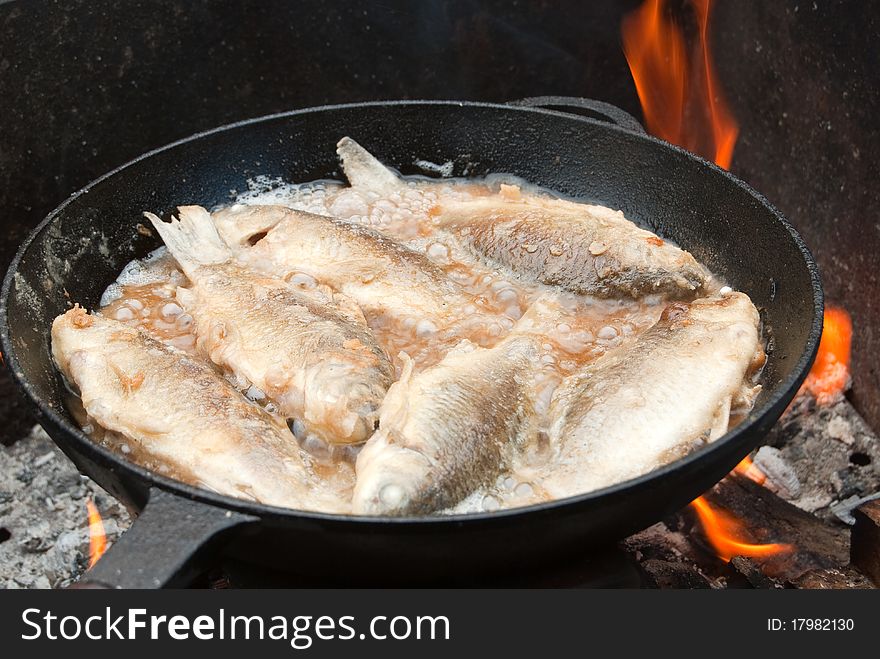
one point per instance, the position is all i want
(832, 579)
(766, 518)
(677, 553)
(866, 540)
(747, 573)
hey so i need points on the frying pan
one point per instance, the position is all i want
(582, 148)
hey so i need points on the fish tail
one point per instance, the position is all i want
(192, 239)
(408, 366)
(362, 168)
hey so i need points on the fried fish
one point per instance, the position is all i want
(647, 404)
(581, 248)
(311, 353)
(448, 430)
(179, 412)
(383, 276)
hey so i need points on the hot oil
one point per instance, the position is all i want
(144, 295)
(582, 328)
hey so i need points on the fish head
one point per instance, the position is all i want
(727, 319)
(723, 309)
(390, 477)
(78, 331)
(342, 398)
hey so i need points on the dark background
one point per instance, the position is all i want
(86, 86)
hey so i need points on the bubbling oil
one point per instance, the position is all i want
(145, 295)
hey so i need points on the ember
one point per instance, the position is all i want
(830, 375)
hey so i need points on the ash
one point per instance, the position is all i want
(44, 534)
(824, 460)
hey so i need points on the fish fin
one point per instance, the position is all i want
(542, 315)
(721, 420)
(192, 239)
(456, 213)
(744, 399)
(356, 268)
(366, 268)
(395, 405)
(348, 308)
(362, 169)
(337, 302)
(243, 226)
(408, 366)
(186, 297)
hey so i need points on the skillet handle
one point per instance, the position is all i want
(605, 111)
(160, 548)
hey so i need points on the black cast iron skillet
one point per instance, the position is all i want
(605, 157)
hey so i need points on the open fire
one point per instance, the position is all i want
(830, 375)
(683, 103)
(750, 470)
(724, 532)
(97, 536)
(677, 85)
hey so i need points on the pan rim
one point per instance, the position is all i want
(784, 389)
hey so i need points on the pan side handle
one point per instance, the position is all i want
(160, 548)
(587, 106)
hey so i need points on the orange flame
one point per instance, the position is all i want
(680, 95)
(723, 531)
(830, 375)
(751, 471)
(97, 538)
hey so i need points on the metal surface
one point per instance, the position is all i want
(586, 107)
(82, 246)
(162, 548)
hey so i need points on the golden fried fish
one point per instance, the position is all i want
(383, 276)
(649, 403)
(311, 353)
(447, 430)
(581, 248)
(181, 413)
